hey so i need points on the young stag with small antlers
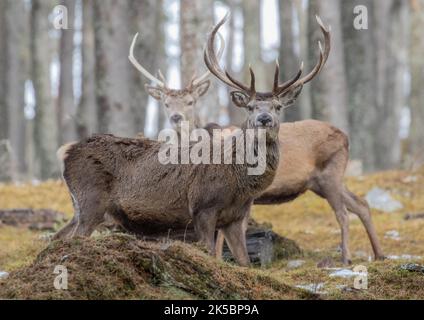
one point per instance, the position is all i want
(179, 104)
(313, 154)
(125, 178)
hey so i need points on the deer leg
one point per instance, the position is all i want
(328, 188)
(204, 225)
(66, 231)
(92, 212)
(235, 235)
(219, 244)
(359, 207)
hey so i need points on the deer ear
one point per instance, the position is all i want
(288, 98)
(201, 88)
(155, 92)
(240, 99)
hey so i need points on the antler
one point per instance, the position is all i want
(140, 68)
(323, 56)
(196, 81)
(211, 62)
(162, 82)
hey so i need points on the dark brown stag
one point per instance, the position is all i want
(179, 104)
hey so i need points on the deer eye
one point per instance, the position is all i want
(166, 105)
(190, 103)
(279, 107)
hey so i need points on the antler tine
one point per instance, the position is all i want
(140, 68)
(220, 53)
(252, 81)
(276, 76)
(323, 55)
(281, 88)
(212, 62)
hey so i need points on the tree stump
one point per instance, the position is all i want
(264, 246)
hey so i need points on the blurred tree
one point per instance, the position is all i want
(391, 36)
(361, 78)
(330, 98)
(144, 18)
(236, 115)
(3, 43)
(45, 126)
(15, 71)
(113, 74)
(196, 20)
(66, 102)
(87, 109)
(288, 59)
(252, 46)
(304, 101)
(416, 140)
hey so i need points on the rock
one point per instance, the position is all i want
(392, 234)
(313, 287)
(294, 264)
(344, 273)
(380, 199)
(413, 267)
(410, 179)
(404, 257)
(327, 262)
(3, 274)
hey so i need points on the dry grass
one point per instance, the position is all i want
(308, 220)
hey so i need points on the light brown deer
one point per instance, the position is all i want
(179, 104)
(125, 178)
(313, 154)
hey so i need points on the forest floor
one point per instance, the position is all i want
(308, 220)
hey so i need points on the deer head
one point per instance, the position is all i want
(179, 104)
(264, 108)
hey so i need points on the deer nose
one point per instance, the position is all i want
(176, 118)
(264, 119)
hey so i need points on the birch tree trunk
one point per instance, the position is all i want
(45, 122)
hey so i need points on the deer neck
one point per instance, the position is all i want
(254, 184)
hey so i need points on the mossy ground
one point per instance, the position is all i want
(308, 220)
(118, 266)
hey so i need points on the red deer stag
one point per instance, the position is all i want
(179, 104)
(313, 154)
